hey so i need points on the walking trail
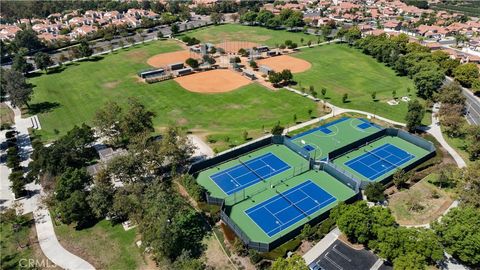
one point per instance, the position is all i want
(43, 222)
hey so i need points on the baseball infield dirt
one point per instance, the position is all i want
(163, 59)
(213, 81)
(279, 63)
(234, 46)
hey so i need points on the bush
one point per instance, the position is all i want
(254, 256)
(195, 190)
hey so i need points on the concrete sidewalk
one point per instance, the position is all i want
(43, 222)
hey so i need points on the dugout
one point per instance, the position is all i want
(151, 73)
(273, 53)
(261, 49)
(183, 71)
(265, 69)
(249, 74)
(176, 66)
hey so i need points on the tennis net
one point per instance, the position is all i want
(294, 205)
(391, 163)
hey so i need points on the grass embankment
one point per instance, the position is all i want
(345, 70)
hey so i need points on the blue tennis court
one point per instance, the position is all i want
(285, 209)
(379, 161)
(248, 173)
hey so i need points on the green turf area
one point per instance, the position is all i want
(260, 35)
(342, 133)
(342, 69)
(103, 245)
(321, 178)
(73, 95)
(295, 161)
(396, 141)
(15, 245)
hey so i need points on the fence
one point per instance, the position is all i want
(343, 176)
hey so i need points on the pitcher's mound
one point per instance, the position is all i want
(213, 81)
(163, 59)
(279, 63)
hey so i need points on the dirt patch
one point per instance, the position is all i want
(214, 255)
(234, 46)
(111, 85)
(137, 56)
(420, 204)
(6, 114)
(213, 81)
(163, 59)
(279, 63)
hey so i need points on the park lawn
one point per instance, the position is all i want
(257, 34)
(432, 202)
(344, 70)
(460, 145)
(72, 96)
(103, 245)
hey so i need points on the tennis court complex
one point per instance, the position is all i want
(333, 135)
(288, 207)
(249, 172)
(380, 159)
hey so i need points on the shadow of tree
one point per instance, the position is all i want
(42, 107)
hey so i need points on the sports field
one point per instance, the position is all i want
(237, 32)
(273, 213)
(251, 172)
(344, 70)
(72, 96)
(380, 158)
(333, 135)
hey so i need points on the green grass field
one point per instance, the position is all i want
(91, 244)
(395, 141)
(72, 97)
(341, 69)
(237, 32)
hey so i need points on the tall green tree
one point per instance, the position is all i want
(20, 64)
(466, 74)
(428, 82)
(43, 61)
(295, 262)
(374, 192)
(84, 49)
(27, 39)
(17, 88)
(414, 115)
(459, 233)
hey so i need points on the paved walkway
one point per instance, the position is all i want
(43, 222)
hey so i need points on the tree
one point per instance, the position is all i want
(473, 142)
(249, 17)
(458, 231)
(324, 91)
(216, 18)
(84, 49)
(100, 198)
(295, 262)
(466, 74)
(18, 182)
(136, 120)
(186, 262)
(108, 122)
(374, 192)
(427, 82)
(19, 91)
(71, 180)
(43, 61)
(468, 187)
(193, 63)
(75, 209)
(345, 98)
(374, 96)
(353, 34)
(253, 64)
(286, 76)
(410, 261)
(414, 115)
(20, 64)
(245, 135)
(277, 129)
(451, 93)
(27, 39)
(264, 16)
(400, 178)
(275, 77)
(174, 29)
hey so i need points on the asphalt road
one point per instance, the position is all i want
(472, 104)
